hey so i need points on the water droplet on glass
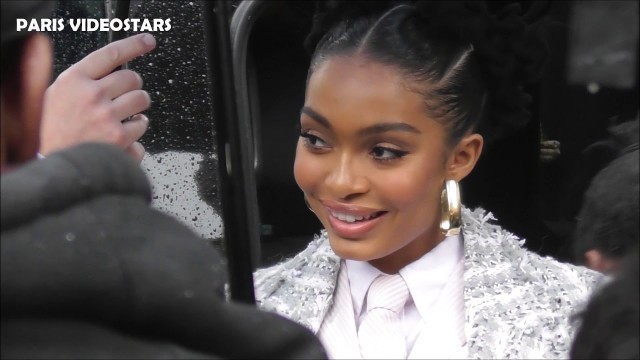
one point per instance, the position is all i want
(593, 87)
(70, 236)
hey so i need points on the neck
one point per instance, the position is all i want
(394, 262)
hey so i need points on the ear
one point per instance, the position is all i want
(464, 156)
(595, 260)
(22, 101)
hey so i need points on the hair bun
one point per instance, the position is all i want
(509, 49)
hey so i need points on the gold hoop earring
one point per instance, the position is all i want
(307, 203)
(451, 209)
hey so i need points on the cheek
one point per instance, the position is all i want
(304, 171)
(417, 188)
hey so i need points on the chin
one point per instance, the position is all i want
(346, 249)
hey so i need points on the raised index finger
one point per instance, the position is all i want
(102, 61)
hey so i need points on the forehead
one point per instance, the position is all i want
(355, 85)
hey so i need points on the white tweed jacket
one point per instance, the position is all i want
(517, 303)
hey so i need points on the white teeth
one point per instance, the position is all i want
(350, 218)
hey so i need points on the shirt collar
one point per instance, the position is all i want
(425, 277)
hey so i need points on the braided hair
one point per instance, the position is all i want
(473, 64)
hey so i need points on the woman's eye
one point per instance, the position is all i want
(385, 154)
(312, 141)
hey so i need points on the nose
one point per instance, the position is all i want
(346, 180)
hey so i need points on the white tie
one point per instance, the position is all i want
(380, 334)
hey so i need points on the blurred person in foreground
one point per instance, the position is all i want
(610, 322)
(89, 270)
(607, 225)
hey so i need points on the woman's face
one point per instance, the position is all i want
(371, 163)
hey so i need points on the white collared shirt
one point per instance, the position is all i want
(425, 277)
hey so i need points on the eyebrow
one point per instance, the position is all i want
(385, 127)
(371, 130)
(315, 116)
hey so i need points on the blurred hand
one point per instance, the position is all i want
(549, 150)
(88, 102)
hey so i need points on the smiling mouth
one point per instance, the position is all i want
(350, 218)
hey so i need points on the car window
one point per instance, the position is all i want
(181, 152)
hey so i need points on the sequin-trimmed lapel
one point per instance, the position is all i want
(482, 237)
(302, 287)
(518, 304)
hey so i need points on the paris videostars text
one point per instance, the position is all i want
(93, 24)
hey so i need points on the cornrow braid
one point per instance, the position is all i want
(331, 12)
